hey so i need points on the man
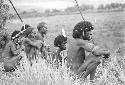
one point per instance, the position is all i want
(77, 59)
(11, 54)
(31, 44)
(42, 31)
(60, 42)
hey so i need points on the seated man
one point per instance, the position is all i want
(11, 54)
(60, 42)
(31, 44)
(77, 59)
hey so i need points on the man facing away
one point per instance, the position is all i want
(31, 44)
(76, 58)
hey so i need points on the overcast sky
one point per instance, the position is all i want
(58, 4)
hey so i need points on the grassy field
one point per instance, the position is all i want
(109, 27)
(108, 33)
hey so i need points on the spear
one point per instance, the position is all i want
(79, 10)
(19, 18)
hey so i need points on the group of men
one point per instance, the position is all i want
(77, 59)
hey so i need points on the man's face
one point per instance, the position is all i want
(88, 35)
(43, 30)
(63, 46)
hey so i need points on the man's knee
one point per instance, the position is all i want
(91, 69)
(9, 67)
(87, 63)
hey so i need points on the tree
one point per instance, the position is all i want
(4, 36)
(55, 11)
(101, 6)
(71, 9)
(4, 8)
(47, 11)
(86, 7)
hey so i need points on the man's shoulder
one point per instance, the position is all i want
(78, 41)
(81, 43)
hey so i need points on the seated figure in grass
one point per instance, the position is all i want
(60, 42)
(77, 59)
(32, 46)
(11, 54)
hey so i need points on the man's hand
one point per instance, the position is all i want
(106, 54)
(39, 44)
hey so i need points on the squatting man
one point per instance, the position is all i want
(77, 59)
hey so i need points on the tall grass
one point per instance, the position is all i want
(43, 73)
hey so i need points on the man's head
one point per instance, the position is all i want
(42, 28)
(13, 36)
(60, 41)
(83, 30)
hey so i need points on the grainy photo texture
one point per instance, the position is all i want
(62, 42)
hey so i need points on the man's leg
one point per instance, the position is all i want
(91, 69)
(10, 64)
(88, 61)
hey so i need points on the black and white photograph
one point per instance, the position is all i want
(62, 42)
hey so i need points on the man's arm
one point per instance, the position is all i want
(90, 47)
(36, 43)
(14, 50)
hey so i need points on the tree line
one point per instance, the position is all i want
(112, 6)
(74, 9)
(84, 7)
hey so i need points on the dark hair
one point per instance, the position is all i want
(26, 26)
(41, 25)
(59, 40)
(81, 27)
(14, 34)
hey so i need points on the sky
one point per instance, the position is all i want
(57, 4)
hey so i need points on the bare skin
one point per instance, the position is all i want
(11, 56)
(79, 62)
(30, 47)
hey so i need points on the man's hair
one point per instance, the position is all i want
(41, 25)
(81, 27)
(26, 26)
(59, 40)
(14, 34)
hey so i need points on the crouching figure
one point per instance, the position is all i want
(11, 54)
(77, 58)
(60, 42)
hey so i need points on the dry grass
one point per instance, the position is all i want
(43, 73)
